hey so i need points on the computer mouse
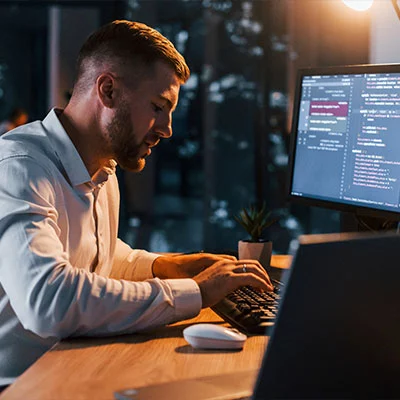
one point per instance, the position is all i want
(210, 336)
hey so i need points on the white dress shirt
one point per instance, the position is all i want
(63, 272)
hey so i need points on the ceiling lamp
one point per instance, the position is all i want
(358, 5)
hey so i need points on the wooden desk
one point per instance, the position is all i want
(94, 368)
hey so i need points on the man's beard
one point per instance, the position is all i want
(122, 136)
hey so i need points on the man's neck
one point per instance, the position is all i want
(83, 132)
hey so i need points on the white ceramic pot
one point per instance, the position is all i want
(261, 251)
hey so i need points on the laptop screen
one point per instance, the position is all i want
(338, 326)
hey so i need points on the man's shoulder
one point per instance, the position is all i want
(24, 138)
(26, 142)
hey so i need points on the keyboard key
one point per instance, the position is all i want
(250, 310)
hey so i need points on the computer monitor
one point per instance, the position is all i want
(345, 139)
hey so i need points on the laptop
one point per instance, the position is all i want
(337, 332)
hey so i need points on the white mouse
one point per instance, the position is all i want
(210, 336)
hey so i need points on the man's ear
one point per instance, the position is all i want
(105, 85)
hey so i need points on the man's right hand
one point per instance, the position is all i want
(225, 276)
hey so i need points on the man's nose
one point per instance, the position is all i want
(163, 125)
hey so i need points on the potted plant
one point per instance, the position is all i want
(255, 220)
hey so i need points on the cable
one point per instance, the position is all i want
(383, 226)
(363, 223)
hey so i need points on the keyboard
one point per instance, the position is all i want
(250, 311)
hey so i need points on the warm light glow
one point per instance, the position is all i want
(358, 5)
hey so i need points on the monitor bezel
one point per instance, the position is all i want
(313, 201)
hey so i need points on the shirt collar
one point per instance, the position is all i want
(69, 156)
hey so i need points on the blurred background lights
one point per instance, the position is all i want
(358, 5)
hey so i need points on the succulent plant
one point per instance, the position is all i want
(254, 220)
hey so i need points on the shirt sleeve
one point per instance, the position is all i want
(133, 265)
(51, 297)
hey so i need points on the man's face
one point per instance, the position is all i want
(142, 116)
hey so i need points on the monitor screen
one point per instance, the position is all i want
(345, 139)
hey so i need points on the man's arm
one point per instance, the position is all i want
(49, 295)
(139, 265)
(216, 275)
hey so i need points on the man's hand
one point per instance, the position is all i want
(225, 276)
(186, 265)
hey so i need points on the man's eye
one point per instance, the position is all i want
(157, 108)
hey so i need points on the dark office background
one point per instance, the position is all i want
(231, 128)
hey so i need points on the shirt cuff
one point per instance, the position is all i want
(187, 297)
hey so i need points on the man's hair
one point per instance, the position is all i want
(125, 43)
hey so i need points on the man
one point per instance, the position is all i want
(17, 117)
(63, 272)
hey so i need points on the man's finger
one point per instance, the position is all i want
(252, 267)
(250, 279)
(228, 257)
(256, 263)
